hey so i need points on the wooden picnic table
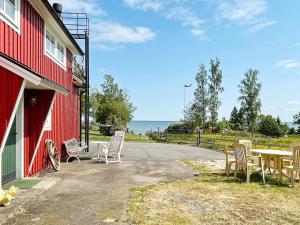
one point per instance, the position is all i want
(277, 155)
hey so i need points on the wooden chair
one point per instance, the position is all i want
(243, 161)
(74, 149)
(229, 161)
(295, 167)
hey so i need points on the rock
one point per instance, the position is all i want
(110, 220)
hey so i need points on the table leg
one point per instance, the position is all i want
(98, 151)
(279, 167)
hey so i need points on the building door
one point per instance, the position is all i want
(9, 156)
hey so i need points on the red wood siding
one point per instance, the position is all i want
(35, 117)
(9, 91)
(28, 46)
(65, 125)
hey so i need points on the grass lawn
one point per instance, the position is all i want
(212, 198)
(229, 139)
(95, 136)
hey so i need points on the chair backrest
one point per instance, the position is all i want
(240, 154)
(296, 156)
(71, 144)
(119, 133)
(248, 145)
(115, 143)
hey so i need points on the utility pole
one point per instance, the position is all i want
(184, 105)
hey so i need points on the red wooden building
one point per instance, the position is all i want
(39, 90)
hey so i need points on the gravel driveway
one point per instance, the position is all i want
(91, 192)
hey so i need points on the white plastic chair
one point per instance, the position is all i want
(121, 134)
(113, 150)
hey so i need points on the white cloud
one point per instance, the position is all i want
(260, 26)
(287, 63)
(144, 4)
(293, 102)
(199, 34)
(245, 12)
(241, 10)
(115, 33)
(176, 10)
(107, 35)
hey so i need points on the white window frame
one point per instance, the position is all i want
(54, 55)
(14, 24)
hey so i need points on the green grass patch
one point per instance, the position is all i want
(213, 198)
(21, 183)
(95, 136)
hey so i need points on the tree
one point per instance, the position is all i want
(271, 126)
(199, 107)
(237, 119)
(215, 88)
(297, 121)
(250, 101)
(112, 104)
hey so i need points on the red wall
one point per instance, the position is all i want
(28, 48)
(9, 90)
(65, 125)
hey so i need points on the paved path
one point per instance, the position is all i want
(91, 192)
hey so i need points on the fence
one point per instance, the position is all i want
(216, 141)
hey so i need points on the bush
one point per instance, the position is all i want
(183, 127)
(270, 126)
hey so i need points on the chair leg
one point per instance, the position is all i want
(262, 171)
(68, 159)
(248, 171)
(106, 159)
(293, 180)
(229, 168)
(235, 171)
(226, 169)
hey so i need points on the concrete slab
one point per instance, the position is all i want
(91, 192)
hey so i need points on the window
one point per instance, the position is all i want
(9, 13)
(54, 49)
(47, 126)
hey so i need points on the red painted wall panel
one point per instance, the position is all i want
(9, 90)
(34, 119)
(65, 125)
(28, 48)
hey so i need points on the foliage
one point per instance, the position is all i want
(237, 119)
(250, 101)
(183, 127)
(112, 104)
(271, 126)
(223, 125)
(199, 108)
(297, 121)
(215, 88)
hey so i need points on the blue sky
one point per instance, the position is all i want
(154, 47)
